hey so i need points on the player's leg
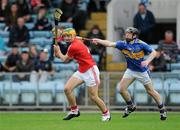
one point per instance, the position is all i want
(93, 93)
(156, 96)
(68, 89)
(153, 93)
(124, 84)
(145, 79)
(92, 80)
(72, 83)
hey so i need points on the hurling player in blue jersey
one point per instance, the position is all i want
(137, 68)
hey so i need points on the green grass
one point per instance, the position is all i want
(87, 121)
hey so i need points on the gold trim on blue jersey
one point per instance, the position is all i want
(136, 41)
(133, 55)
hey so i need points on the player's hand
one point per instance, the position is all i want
(151, 67)
(95, 41)
(144, 63)
(56, 50)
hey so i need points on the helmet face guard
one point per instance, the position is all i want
(68, 32)
(134, 31)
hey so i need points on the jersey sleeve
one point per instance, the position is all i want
(147, 48)
(119, 45)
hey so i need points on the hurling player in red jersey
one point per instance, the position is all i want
(87, 73)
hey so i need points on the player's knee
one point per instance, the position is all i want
(93, 97)
(67, 90)
(121, 89)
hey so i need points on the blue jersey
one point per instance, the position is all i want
(134, 52)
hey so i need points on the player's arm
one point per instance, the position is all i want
(58, 53)
(151, 56)
(104, 42)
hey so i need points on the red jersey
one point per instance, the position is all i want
(78, 51)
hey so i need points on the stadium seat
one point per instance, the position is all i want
(6, 40)
(171, 76)
(65, 66)
(48, 47)
(157, 83)
(158, 86)
(60, 75)
(28, 93)
(175, 66)
(11, 93)
(168, 82)
(29, 25)
(174, 93)
(37, 41)
(4, 34)
(140, 95)
(155, 46)
(8, 49)
(59, 92)
(65, 74)
(38, 34)
(46, 92)
(31, 34)
(2, 26)
(48, 41)
(57, 60)
(41, 41)
(3, 58)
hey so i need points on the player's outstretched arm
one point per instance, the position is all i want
(104, 42)
(58, 54)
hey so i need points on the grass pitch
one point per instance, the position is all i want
(87, 121)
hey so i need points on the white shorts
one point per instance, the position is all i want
(143, 77)
(90, 77)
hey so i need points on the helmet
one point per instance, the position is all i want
(69, 31)
(132, 30)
